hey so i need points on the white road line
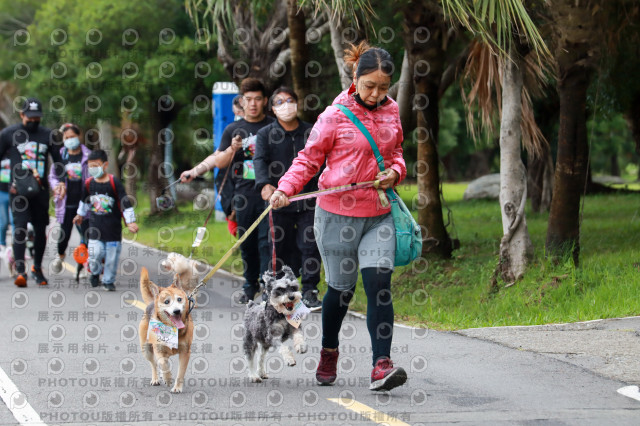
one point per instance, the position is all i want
(630, 391)
(17, 402)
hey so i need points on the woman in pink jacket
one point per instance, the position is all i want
(354, 230)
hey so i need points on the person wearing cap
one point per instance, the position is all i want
(27, 145)
(74, 157)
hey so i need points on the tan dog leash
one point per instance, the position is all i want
(254, 225)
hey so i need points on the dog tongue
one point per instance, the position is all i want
(177, 321)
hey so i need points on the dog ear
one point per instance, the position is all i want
(268, 279)
(288, 273)
(148, 289)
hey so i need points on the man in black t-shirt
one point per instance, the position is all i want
(27, 145)
(236, 150)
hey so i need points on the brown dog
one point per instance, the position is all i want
(165, 329)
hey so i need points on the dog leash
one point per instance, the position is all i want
(203, 229)
(254, 225)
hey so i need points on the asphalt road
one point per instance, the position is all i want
(73, 358)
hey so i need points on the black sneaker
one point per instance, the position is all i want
(36, 274)
(109, 287)
(310, 299)
(244, 299)
(94, 280)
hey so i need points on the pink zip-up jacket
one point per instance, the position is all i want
(349, 156)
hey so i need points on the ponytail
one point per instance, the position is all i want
(363, 59)
(352, 54)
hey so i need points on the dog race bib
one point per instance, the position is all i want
(300, 311)
(163, 334)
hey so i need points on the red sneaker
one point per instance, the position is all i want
(327, 368)
(385, 377)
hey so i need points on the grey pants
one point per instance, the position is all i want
(347, 244)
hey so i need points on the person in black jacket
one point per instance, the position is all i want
(276, 146)
(27, 146)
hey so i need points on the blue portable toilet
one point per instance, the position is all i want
(222, 99)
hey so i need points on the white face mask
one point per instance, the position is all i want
(72, 143)
(96, 172)
(286, 112)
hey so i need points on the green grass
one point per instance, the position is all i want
(456, 293)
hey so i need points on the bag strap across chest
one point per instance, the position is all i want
(376, 152)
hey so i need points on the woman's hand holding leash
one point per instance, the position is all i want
(388, 178)
(279, 199)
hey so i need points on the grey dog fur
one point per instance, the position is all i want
(266, 327)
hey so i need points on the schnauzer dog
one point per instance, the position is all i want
(265, 323)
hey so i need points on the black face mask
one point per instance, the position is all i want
(367, 106)
(32, 126)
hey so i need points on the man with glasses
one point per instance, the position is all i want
(236, 150)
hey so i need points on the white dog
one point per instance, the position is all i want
(8, 260)
(186, 269)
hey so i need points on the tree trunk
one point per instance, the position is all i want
(299, 55)
(405, 92)
(577, 41)
(106, 144)
(633, 117)
(159, 123)
(480, 163)
(563, 232)
(615, 166)
(547, 184)
(516, 249)
(338, 46)
(7, 115)
(426, 59)
(540, 181)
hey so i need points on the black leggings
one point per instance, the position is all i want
(66, 228)
(36, 211)
(377, 286)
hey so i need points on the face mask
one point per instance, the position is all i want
(237, 117)
(286, 112)
(96, 172)
(32, 126)
(72, 143)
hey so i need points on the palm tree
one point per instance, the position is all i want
(505, 35)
